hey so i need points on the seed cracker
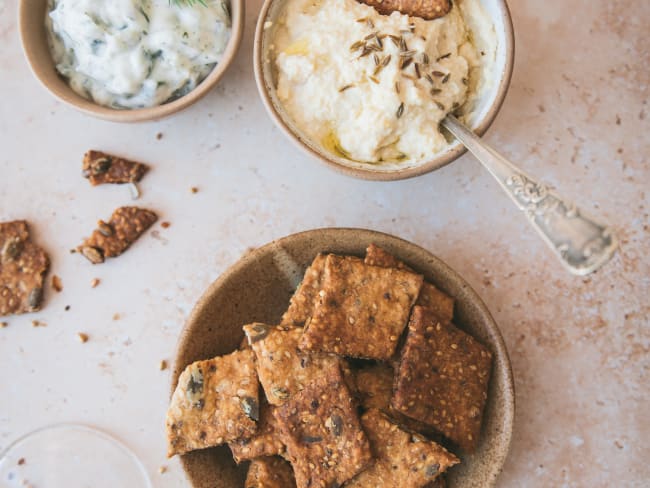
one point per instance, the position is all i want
(303, 300)
(23, 266)
(429, 296)
(442, 378)
(425, 9)
(265, 442)
(270, 472)
(402, 459)
(362, 309)
(284, 369)
(112, 238)
(100, 167)
(215, 401)
(320, 427)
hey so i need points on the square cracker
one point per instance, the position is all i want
(430, 296)
(402, 459)
(23, 266)
(112, 238)
(362, 309)
(265, 442)
(303, 300)
(284, 369)
(320, 427)
(442, 378)
(215, 401)
(270, 472)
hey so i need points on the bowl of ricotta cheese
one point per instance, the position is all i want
(365, 92)
(130, 60)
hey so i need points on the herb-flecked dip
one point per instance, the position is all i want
(130, 54)
(373, 88)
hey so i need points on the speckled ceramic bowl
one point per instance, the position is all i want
(258, 288)
(31, 19)
(483, 115)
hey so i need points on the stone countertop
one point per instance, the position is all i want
(576, 116)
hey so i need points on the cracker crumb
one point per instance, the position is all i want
(162, 469)
(83, 338)
(194, 189)
(57, 284)
(95, 282)
(67, 307)
(38, 323)
(163, 365)
(3, 325)
(165, 225)
(21, 461)
(116, 316)
(159, 136)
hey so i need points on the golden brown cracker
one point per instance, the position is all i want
(303, 300)
(265, 442)
(320, 427)
(23, 266)
(442, 379)
(374, 385)
(100, 167)
(362, 309)
(284, 369)
(270, 472)
(215, 401)
(112, 238)
(402, 459)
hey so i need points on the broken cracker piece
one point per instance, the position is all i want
(442, 379)
(265, 442)
(425, 9)
(283, 369)
(319, 425)
(23, 266)
(216, 401)
(112, 238)
(303, 300)
(429, 296)
(362, 309)
(270, 472)
(402, 459)
(100, 167)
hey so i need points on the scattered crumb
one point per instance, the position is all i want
(618, 120)
(163, 365)
(67, 307)
(162, 469)
(95, 282)
(194, 189)
(56, 283)
(159, 136)
(73, 251)
(165, 225)
(3, 325)
(620, 150)
(38, 323)
(82, 337)
(541, 108)
(21, 461)
(116, 316)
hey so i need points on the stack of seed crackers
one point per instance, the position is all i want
(363, 380)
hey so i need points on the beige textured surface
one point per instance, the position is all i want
(580, 346)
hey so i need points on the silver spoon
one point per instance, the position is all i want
(582, 244)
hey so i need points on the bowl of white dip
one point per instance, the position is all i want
(365, 92)
(130, 60)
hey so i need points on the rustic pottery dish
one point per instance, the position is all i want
(31, 20)
(484, 114)
(258, 287)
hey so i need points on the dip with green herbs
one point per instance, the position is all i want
(130, 54)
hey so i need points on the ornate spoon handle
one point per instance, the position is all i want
(582, 244)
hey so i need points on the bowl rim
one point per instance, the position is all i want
(88, 107)
(399, 174)
(368, 235)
